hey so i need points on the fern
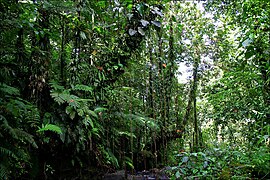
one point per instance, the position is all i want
(9, 90)
(18, 133)
(92, 113)
(7, 152)
(55, 86)
(56, 96)
(3, 172)
(73, 101)
(128, 162)
(50, 127)
(65, 97)
(8, 128)
(141, 120)
(26, 136)
(82, 87)
(111, 157)
(23, 154)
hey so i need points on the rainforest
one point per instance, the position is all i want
(134, 89)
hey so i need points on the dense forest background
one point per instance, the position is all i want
(89, 87)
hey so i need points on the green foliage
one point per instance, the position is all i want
(96, 83)
(225, 163)
(16, 137)
(50, 127)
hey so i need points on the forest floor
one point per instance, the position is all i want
(141, 175)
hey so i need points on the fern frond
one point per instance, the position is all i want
(6, 89)
(7, 152)
(9, 129)
(140, 120)
(22, 154)
(51, 127)
(111, 157)
(73, 101)
(56, 96)
(92, 113)
(3, 172)
(56, 86)
(82, 87)
(26, 136)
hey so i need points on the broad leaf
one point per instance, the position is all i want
(132, 32)
(156, 23)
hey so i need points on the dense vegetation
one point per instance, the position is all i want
(89, 87)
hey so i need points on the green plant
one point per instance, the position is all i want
(16, 137)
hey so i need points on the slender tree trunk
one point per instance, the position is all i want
(131, 125)
(196, 131)
(62, 54)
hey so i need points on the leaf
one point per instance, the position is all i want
(128, 134)
(82, 34)
(4, 171)
(50, 127)
(101, 4)
(120, 65)
(63, 137)
(129, 15)
(156, 23)
(140, 8)
(185, 159)
(157, 11)
(90, 121)
(112, 158)
(57, 98)
(82, 87)
(194, 171)
(205, 164)
(249, 54)
(247, 42)
(24, 135)
(130, 6)
(177, 174)
(7, 152)
(129, 162)
(69, 109)
(55, 86)
(144, 22)
(72, 114)
(132, 32)
(94, 52)
(100, 109)
(9, 90)
(116, 2)
(141, 31)
(93, 113)
(80, 112)
(73, 101)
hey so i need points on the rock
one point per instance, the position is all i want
(119, 175)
